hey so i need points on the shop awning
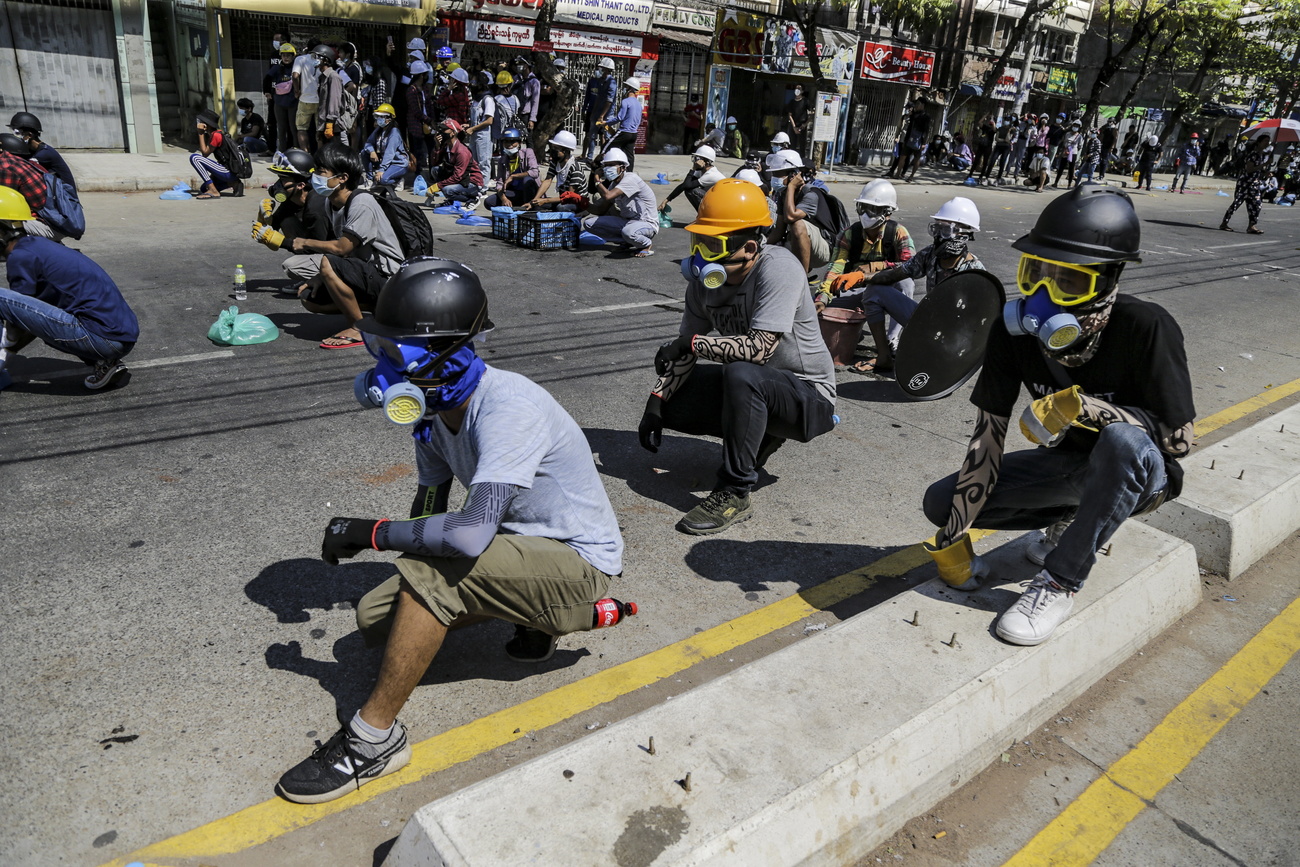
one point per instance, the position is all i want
(699, 40)
(970, 90)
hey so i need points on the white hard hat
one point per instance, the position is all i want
(784, 160)
(959, 210)
(605, 63)
(417, 42)
(705, 152)
(418, 67)
(460, 75)
(731, 120)
(781, 138)
(614, 155)
(1153, 140)
(416, 53)
(880, 193)
(633, 82)
(564, 139)
(559, 63)
(749, 175)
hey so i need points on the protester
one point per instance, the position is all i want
(1068, 153)
(454, 101)
(374, 93)
(1089, 156)
(303, 213)
(536, 544)
(1024, 127)
(329, 105)
(506, 111)
(213, 162)
(983, 157)
(61, 296)
(702, 176)
(1108, 136)
(514, 172)
(774, 379)
(1117, 412)
(798, 115)
(712, 137)
(692, 120)
(734, 143)
(565, 186)
(19, 173)
(419, 120)
(482, 113)
(27, 126)
(529, 91)
(1147, 156)
(384, 148)
(365, 251)
(1004, 139)
(307, 92)
(634, 220)
(961, 157)
(798, 206)
(1250, 185)
(623, 127)
(285, 101)
(1187, 160)
(911, 141)
(251, 127)
(456, 174)
(597, 103)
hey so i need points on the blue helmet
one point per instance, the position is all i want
(512, 135)
(445, 53)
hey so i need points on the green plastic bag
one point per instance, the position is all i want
(233, 328)
(666, 221)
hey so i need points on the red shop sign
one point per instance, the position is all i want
(884, 62)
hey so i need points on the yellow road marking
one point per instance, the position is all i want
(1085, 828)
(270, 819)
(1236, 411)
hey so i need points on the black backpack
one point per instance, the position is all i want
(831, 217)
(235, 158)
(409, 223)
(888, 240)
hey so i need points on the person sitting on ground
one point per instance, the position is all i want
(797, 207)
(952, 228)
(634, 220)
(1268, 192)
(536, 544)
(873, 243)
(251, 127)
(27, 126)
(303, 213)
(937, 151)
(712, 137)
(565, 186)
(1111, 399)
(61, 296)
(364, 254)
(960, 158)
(384, 149)
(212, 162)
(734, 142)
(702, 176)
(774, 379)
(514, 172)
(456, 174)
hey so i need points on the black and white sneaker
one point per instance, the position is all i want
(104, 374)
(343, 764)
(531, 645)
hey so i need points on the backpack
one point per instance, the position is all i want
(509, 117)
(62, 209)
(349, 108)
(888, 239)
(410, 225)
(234, 157)
(831, 217)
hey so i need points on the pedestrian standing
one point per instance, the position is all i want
(1108, 136)
(506, 115)
(597, 102)
(984, 134)
(481, 110)
(529, 91)
(623, 128)
(1024, 127)
(916, 132)
(1003, 140)
(285, 101)
(306, 91)
(1068, 152)
(797, 118)
(1147, 156)
(1090, 156)
(1250, 185)
(693, 118)
(329, 103)
(1187, 161)
(419, 123)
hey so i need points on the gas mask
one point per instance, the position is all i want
(1052, 293)
(950, 240)
(280, 191)
(871, 216)
(706, 264)
(426, 382)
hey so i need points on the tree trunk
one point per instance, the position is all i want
(566, 89)
(1111, 66)
(805, 15)
(1208, 59)
(1144, 70)
(1034, 11)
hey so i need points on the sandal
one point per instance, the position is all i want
(339, 341)
(1254, 230)
(208, 196)
(870, 366)
(643, 254)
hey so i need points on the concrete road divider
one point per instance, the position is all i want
(1241, 495)
(817, 753)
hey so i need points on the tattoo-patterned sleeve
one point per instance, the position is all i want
(667, 384)
(1100, 413)
(756, 346)
(466, 533)
(979, 472)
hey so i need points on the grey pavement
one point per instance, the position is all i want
(161, 540)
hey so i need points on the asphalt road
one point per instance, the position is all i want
(173, 642)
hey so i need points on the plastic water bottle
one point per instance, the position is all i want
(241, 284)
(609, 612)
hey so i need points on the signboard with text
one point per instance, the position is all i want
(499, 33)
(586, 42)
(884, 62)
(633, 16)
(1061, 80)
(505, 8)
(786, 51)
(826, 117)
(685, 17)
(1008, 85)
(738, 39)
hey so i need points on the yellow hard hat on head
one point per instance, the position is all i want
(731, 205)
(385, 108)
(453, 66)
(505, 78)
(286, 48)
(13, 206)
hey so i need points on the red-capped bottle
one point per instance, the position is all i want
(609, 612)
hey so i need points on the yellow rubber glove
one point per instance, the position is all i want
(1046, 420)
(959, 566)
(847, 281)
(264, 210)
(268, 236)
(433, 189)
(329, 130)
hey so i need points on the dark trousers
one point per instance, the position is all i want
(689, 138)
(626, 142)
(1000, 155)
(743, 404)
(286, 130)
(1120, 477)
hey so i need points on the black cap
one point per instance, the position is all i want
(14, 144)
(1089, 225)
(209, 117)
(26, 120)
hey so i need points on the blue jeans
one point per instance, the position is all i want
(1121, 476)
(879, 300)
(461, 192)
(59, 329)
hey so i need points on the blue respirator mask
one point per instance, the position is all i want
(410, 382)
(1054, 326)
(1050, 292)
(708, 252)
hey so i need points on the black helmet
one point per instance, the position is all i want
(1089, 225)
(209, 117)
(294, 163)
(26, 120)
(430, 297)
(14, 145)
(325, 52)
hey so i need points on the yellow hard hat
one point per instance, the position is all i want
(729, 206)
(13, 206)
(286, 48)
(453, 66)
(385, 108)
(505, 78)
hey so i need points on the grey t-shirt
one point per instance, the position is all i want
(774, 297)
(362, 218)
(515, 433)
(637, 201)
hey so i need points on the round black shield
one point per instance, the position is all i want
(943, 344)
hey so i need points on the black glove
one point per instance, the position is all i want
(651, 429)
(345, 537)
(670, 352)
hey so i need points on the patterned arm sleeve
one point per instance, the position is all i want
(1176, 443)
(756, 346)
(978, 474)
(466, 533)
(669, 382)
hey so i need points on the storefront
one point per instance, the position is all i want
(888, 76)
(685, 36)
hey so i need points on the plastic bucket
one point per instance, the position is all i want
(841, 328)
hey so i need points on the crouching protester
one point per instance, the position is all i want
(800, 210)
(565, 186)
(773, 378)
(61, 296)
(455, 172)
(635, 219)
(702, 176)
(536, 543)
(294, 210)
(1111, 412)
(514, 172)
(365, 251)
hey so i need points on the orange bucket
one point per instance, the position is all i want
(841, 328)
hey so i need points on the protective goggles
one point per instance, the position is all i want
(874, 211)
(282, 162)
(1066, 284)
(945, 230)
(712, 248)
(416, 359)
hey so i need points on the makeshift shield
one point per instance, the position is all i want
(943, 344)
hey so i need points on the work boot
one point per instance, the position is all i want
(715, 513)
(1037, 613)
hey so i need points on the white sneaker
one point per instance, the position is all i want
(1038, 550)
(1037, 613)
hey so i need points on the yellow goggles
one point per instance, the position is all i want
(711, 248)
(1066, 284)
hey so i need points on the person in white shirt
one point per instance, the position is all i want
(703, 175)
(623, 207)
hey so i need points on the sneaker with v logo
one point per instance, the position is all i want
(343, 764)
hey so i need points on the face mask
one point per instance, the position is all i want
(1054, 326)
(950, 247)
(321, 185)
(315, 62)
(381, 122)
(730, 127)
(243, 112)
(512, 151)
(775, 148)
(798, 92)
(870, 222)
(275, 46)
(612, 172)
(367, 68)
(405, 403)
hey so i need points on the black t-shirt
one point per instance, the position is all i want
(310, 220)
(799, 110)
(252, 120)
(1140, 362)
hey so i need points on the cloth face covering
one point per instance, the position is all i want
(460, 373)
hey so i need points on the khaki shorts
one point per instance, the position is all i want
(306, 115)
(819, 249)
(527, 580)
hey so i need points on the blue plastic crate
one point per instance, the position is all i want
(548, 230)
(505, 224)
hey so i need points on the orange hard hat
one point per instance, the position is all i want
(731, 205)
